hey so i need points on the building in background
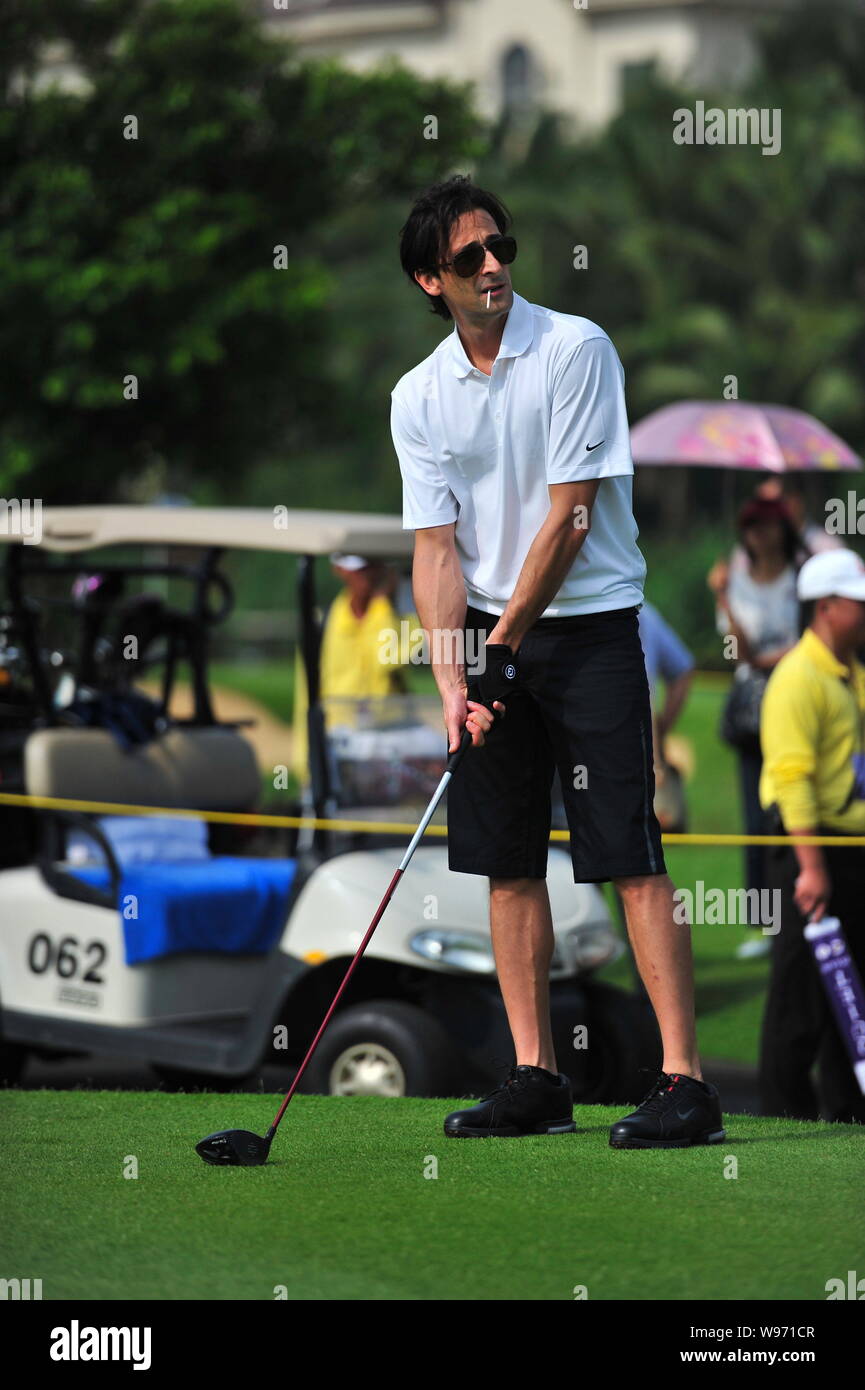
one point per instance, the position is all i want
(574, 57)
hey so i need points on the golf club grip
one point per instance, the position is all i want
(455, 757)
(465, 741)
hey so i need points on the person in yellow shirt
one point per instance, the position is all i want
(812, 731)
(362, 651)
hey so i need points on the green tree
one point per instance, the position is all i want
(153, 257)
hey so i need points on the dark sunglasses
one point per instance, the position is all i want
(469, 260)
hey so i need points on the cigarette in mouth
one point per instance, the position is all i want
(489, 292)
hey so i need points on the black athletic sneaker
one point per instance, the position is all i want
(530, 1101)
(677, 1112)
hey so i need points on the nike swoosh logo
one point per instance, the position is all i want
(590, 447)
(687, 1113)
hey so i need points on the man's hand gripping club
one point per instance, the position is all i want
(483, 695)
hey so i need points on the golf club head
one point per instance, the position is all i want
(235, 1148)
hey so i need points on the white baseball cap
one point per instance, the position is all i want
(832, 572)
(349, 562)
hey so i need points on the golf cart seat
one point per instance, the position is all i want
(210, 768)
(172, 894)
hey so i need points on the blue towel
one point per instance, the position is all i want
(220, 904)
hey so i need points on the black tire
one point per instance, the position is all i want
(182, 1079)
(387, 1028)
(12, 1059)
(623, 1039)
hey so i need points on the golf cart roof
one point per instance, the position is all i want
(244, 528)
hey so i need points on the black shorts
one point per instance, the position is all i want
(582, 705)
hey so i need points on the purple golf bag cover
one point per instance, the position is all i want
(843, 985)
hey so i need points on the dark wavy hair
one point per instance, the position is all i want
(773, 509)
(424, 240)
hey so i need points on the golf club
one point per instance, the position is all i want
(241, 1148)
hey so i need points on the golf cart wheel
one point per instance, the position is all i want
(383, 1048)
(180, 1079)
(12, 1058)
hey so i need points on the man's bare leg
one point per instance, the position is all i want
(522, 931)
(662, 950)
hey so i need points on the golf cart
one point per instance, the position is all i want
(159, 936)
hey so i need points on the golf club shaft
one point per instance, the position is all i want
(452, 764)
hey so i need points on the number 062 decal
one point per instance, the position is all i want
(69, 958)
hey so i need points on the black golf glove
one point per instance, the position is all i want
(497, 681)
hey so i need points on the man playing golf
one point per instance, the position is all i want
(512, 440)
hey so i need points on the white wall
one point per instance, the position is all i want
(468, 46)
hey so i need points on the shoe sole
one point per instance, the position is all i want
(711, 1137)
(565, 1127)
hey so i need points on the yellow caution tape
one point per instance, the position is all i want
(111, 808)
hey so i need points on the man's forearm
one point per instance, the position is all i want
(674, 699)
(550, 557)
(809, 856)
(440, 601)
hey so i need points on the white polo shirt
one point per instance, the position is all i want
(480, 451)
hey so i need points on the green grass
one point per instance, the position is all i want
(343, 1210)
